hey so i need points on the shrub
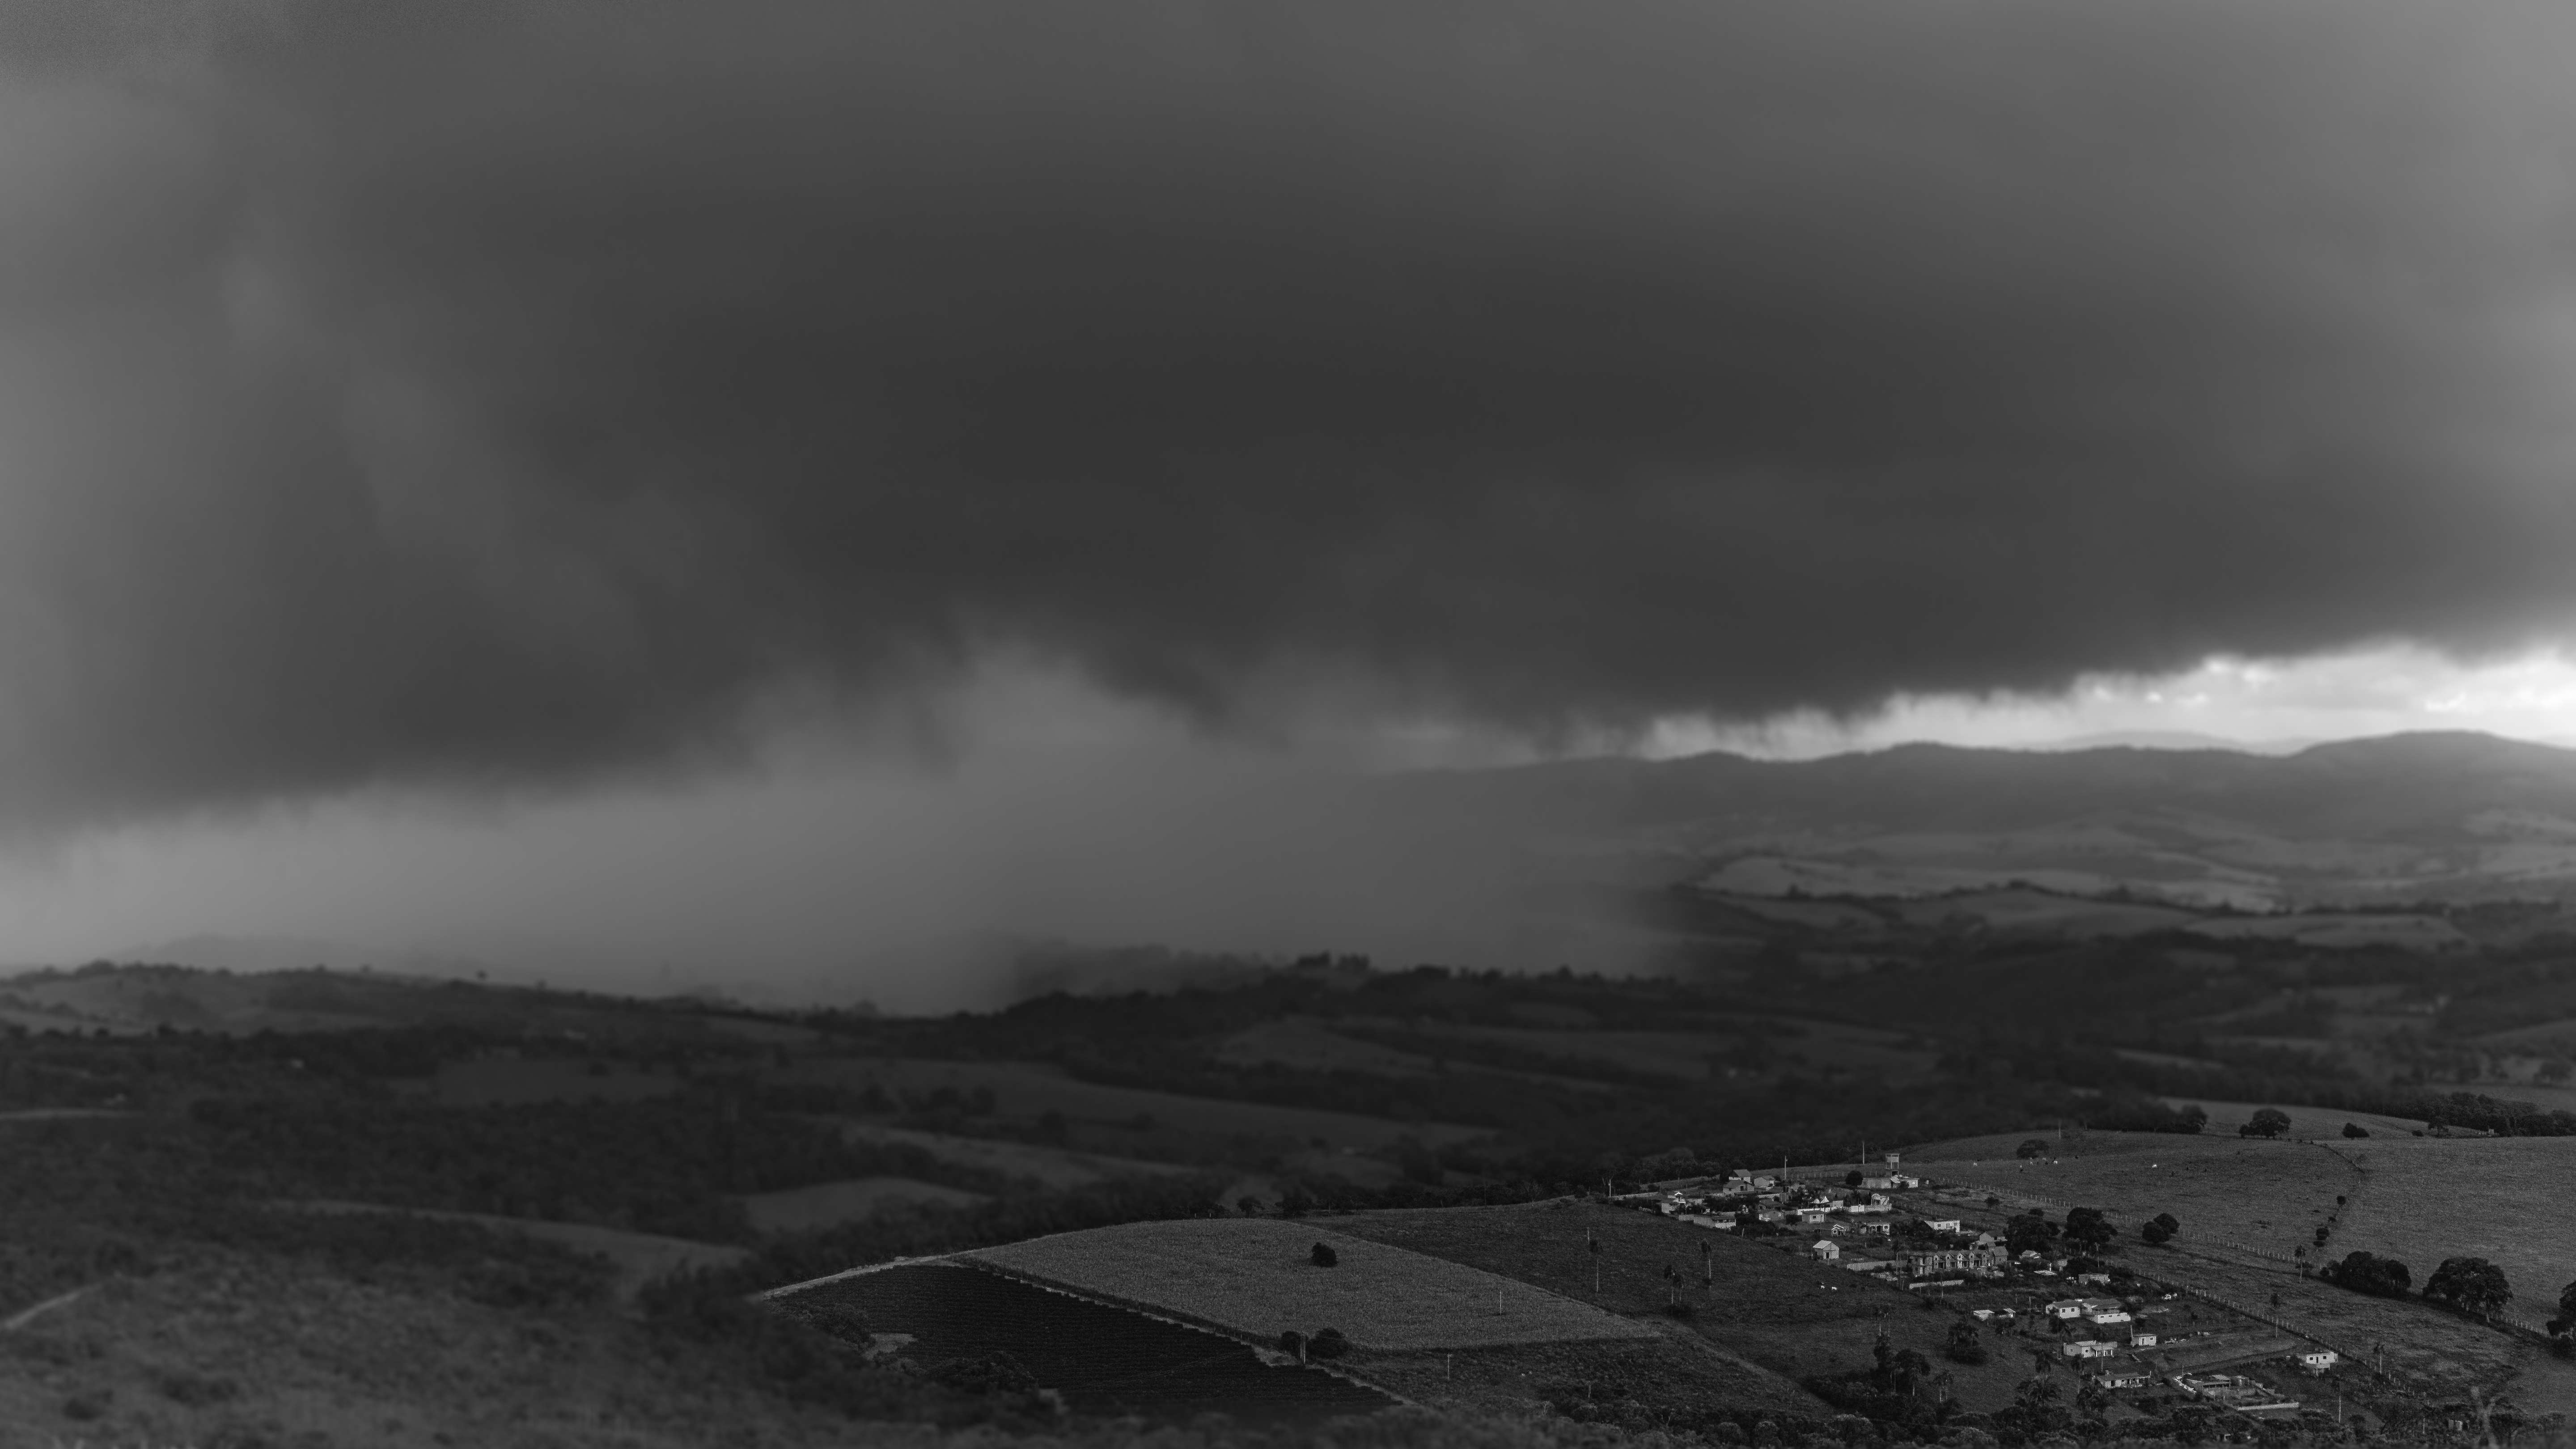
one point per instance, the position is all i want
(2354, 1130)
(1323, 1256)
(2032, 1147)
(1328, 1343)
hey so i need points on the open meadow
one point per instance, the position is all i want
(1104, 1360)
(801, 1209)
(1255, 1276)
(1027, 1090)
(638, 1258)
(1050, 1166)
(2424, 1199)
(2245, 1195)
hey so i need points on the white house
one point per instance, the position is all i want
(2091, 1348)
(2116, 1315)
(2142, 1340)
(2122, 1379)
(2066, 1308)
(1943, 1225)
(2318, 1360)
(1827, 1250)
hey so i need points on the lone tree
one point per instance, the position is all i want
(2565, 1323)
(1964, 1345)
(1853, 1178)
(1328, 1343)
(2266, 1122)
(2031, 1147)
(2368, 1273)
(2471, 1285)
(2354, 1130)
(2088, 1227)
(2160, 1228)
(1293, 1342)
(1323, 1256)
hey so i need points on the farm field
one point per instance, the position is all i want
(1774, 1309)
(638, 1257)
(1253, 1276)
(1676, 1373)
(1053, 1166)
(1687, 1053)
(241, 1351)
(2243, 1205)
(1308, 1046)
(2240, 1194)
(1104, 1360)
(798, 1209)
(489, 1081)
(1024, 1089)
(2424, 1199)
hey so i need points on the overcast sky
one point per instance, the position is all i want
(765, 473)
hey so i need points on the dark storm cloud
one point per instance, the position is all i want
(490, 393)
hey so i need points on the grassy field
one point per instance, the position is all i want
(1252, 1275)
(1026, 1090)
(1687, 1054)
(485, 1081)
(2248, 1195)
(2424, 1199)
(1104, 1360)
(799, 1209)
(1777, 1311)
(244, 1351)
(1052, 1166)
(638, 1257)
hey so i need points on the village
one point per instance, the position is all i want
(1868, 1222)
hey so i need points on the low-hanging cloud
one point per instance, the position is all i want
(488, 393)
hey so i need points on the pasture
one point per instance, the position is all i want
(1028, 1090)
(2424, 1199)
(1254, 1276)
(799, 1209)
(1687, 1053)
(1104, 1360)
(1051, 1166)
(2244, 1194)
(639, 1258)
(486, 1081)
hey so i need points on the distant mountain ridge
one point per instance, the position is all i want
(2427, 816)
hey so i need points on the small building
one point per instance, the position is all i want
(2091, 1348)
(2123, 1379)
(1982, 1262)
(2318, 1360)
(2066, 1308)
(1943, 1225)
(1826, 1250)
(2142, 1340)
(2106, 1319)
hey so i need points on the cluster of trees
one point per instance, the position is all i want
(2364, 1272)
(2466, 1285)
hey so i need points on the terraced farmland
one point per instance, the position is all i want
(1253, 1276)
